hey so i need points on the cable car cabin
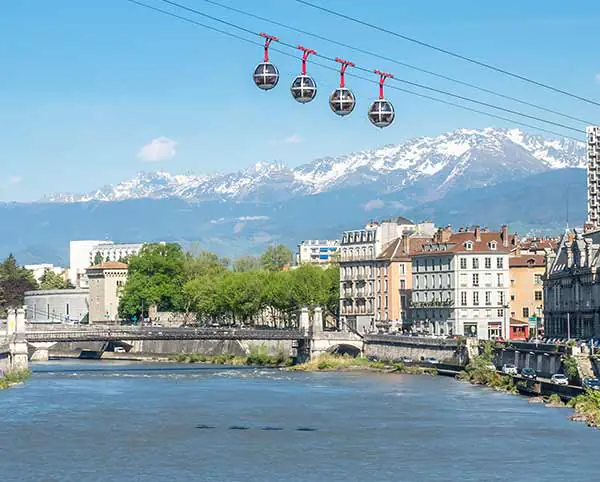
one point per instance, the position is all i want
(266, 76)
(304, 89)
(381, 113)
(342, 101)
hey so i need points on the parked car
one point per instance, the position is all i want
(559, 379)
(591, 383)
(529, 373)
(119, 349)
(509, 369)
(406, 359)
(431, 361)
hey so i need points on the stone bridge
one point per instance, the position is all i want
(308, 340)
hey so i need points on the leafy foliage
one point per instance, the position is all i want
(52, 281)
(275, 258)
(14, 282)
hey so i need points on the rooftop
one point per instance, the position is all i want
(110, 265)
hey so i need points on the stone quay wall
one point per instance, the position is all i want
(544, 362)
(391, 347)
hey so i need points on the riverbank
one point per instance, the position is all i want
(14, 377)
(254, 359)
(336, 363)
(587, 408)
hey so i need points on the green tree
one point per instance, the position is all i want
(52, 281)
(204, 263)
(247, 263)
(14, 282)
(98, 258)
(275, 258)
(156, 276)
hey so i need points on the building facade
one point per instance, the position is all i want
(38, 270)
(106, 282)
(572, 287)
(593, 176)
(56, 306)
(79, 260)
(360, 269)
(317, 251)
(460, 283)
(114, 251)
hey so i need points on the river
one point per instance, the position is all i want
(114, 422)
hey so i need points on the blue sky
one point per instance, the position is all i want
(85, 85)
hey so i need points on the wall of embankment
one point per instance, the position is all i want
(391, 347)
(175, 347)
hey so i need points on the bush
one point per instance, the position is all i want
(570, 368)
(13, 377)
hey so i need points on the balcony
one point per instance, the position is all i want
(432, 304)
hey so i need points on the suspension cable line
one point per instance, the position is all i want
(449, 52)
(407, 91)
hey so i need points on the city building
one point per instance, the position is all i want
(572, 287)
(56, 306)
(317, 251)
(106, 282)
(38, 270)
(79, 260)
(393, 281)
(460, 283)
(593, 177)
(359, 267)
(83, 254)
(113, 252)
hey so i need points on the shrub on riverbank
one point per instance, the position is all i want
(327, 362)
(587, 407)
(479, 371)
(256, 358)
(14, 377)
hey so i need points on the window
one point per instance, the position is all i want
(416, 265)
(463, 263)
(538, 296)
(525, 312)
(448, 281)
(500, 313)
(492, 245)
(537, 278)
(426, 264)
(416, 282)
(425, 282)
(402, 284)
(488, 263)
(475, 279)
(433, 281)
(416, 297)
(488, 298)
(386, 302)
(501, 297)
(385, 286)
(512, 297)
(500, 280)
(475, 263)
(463, 298)
(468, 245)
(475, 298)
(499, 263)
(402, 268)
(67, 309)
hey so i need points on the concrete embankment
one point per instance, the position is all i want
(392, 347)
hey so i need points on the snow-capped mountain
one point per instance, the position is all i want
(431, 166)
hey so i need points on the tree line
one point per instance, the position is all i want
(210, 289)
(15, 280)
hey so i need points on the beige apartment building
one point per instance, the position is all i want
(363, 274)
(106, 281)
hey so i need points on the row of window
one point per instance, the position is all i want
(358, 236)
(487, 298)
(444, 263)
(440, 314)
(487, 263)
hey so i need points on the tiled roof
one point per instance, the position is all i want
(527, 260)
(456, 244)
(109, 265)
(394, 250)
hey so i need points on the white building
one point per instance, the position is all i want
(114, 252)
(83, 254)
(460, 284)
(359, 250)
(593, 172)
(317, 251)
(79, 259)
(38, 270)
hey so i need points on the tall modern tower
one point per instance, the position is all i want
(593, 177)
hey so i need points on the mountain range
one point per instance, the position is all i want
(468, 176)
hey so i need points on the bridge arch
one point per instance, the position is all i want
(345, 349)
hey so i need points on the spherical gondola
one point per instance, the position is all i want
(342, 101)
(266, 76)
(381, 113)
(304, 89)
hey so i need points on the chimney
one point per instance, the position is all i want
(515, 240)
(405, 244)
(504, 235)
(477, 232)
(446, 233)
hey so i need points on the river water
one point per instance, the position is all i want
(131, 422)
